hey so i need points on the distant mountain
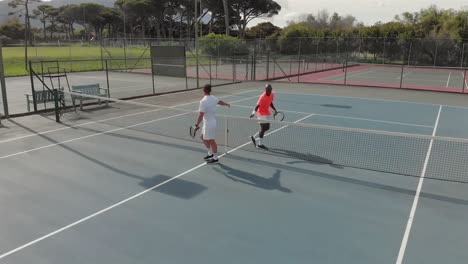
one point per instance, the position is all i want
(5, 9)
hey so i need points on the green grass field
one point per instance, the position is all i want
(14, 58)
(80, 58)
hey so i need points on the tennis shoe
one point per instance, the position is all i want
(208, 157)
(253, 141)
(211, 161)
(262, 147)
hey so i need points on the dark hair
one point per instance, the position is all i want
(207, 88)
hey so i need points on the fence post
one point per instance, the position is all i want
(464, 81)
(409, 53)
(346, 70)
(152, 75)
(210, 68)
(463, 55)
(268, 66)
(299, 60)
(316, 55)
(436, 51)
(401, 75)
(384, 44)
(3, 84)
(102, 55)
(32, 86)
(107, 79)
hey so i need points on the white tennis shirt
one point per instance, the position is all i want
(208, 106)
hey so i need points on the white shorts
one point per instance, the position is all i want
(209, 130)
(264, 119)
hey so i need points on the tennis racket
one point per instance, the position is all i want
(278, 116)
(193, 131)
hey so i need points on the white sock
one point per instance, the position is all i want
(215, 156)
(260, 141)
(209, 152)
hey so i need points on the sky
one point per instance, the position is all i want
(367, 11)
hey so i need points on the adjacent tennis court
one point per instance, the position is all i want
(345, 179)
(387, 76)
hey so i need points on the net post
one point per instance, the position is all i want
(226, 135)
(107, 79)
(56, 101)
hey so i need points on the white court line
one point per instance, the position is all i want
(347, 117)
(370, 99)
(404, 242)
(448, 80)
(33, 242)
(404, 75)
(113, 118)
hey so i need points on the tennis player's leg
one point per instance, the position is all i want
(209, 135)
(208, 147)
(264, 127)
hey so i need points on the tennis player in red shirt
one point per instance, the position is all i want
(263, 114)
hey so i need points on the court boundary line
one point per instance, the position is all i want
(371, 99)
(345, 117)
(414, 206)
(113, 118)
(62, 229)
(448, 80)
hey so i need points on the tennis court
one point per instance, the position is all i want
(346, 180)
(387, 76)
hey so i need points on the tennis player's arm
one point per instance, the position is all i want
(200, 118)
(254, 111)
(273, 107)
(222, 103)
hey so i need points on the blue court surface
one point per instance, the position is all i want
(94, 192)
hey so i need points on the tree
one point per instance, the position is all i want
(247, 10)
(92, 15)
(226, 16)
(13, 29)
(139, 10)
(23, 6)
(42, 14)
(262, 30)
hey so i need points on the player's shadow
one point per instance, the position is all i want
(179, 188)
(160, 183)
(303, 158)
(236, 175)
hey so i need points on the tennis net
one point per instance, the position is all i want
(440, 158)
